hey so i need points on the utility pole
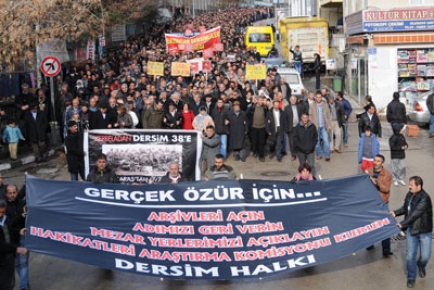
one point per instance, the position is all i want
(38, 58)
(194, 13)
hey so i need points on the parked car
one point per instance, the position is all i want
(276, 62)
(417, 110)
(292, 77)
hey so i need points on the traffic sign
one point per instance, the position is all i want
(50, 66)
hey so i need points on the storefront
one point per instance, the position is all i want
(398, 52)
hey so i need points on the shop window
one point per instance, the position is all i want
(415, 71)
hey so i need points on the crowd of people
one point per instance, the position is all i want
(232, 114)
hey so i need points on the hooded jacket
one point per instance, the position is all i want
(396, 142)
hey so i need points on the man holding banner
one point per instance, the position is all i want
(418, 224)
(382, 180)
(305, 139)
(9, 238)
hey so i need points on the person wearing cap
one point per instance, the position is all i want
(74, 151)
(105, 94)
(172, 118)
(36, 127)
(238, 130)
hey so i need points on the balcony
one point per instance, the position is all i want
(330, 3)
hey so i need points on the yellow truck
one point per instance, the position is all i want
(310, 33)
(260, 37)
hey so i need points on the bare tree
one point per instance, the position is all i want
(24, 24)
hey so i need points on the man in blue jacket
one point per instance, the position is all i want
(346, 105)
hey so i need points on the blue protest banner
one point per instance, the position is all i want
(206, 230)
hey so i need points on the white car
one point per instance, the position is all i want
(292, 77)
(417, 109)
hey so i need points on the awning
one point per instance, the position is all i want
(404, 37)
(359, 39)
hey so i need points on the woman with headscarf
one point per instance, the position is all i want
(202, 120)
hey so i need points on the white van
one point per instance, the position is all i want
(292, 77)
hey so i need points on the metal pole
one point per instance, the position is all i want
(38, 58)
(358, 74)
(194, 14)
(52, 97)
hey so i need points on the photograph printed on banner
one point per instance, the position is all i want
(141, 159)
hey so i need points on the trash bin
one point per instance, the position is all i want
(337, 83)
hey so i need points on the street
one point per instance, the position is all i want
(362, 270)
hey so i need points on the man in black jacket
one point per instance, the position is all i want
(37, 126)
(16, 213)
(276, 129)
(430, 106)
(370, 119)
(219, 114)
(305, 139)
(172, 118)
(22, 105)
(396, 112)
(257, 116)
(317, 70)
(103, 118)
(418, 223)
(9, 238)
(74, 151)
(293, 115)
(102, 173)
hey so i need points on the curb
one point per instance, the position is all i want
(24, 160)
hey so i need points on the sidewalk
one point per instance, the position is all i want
(25, 156)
